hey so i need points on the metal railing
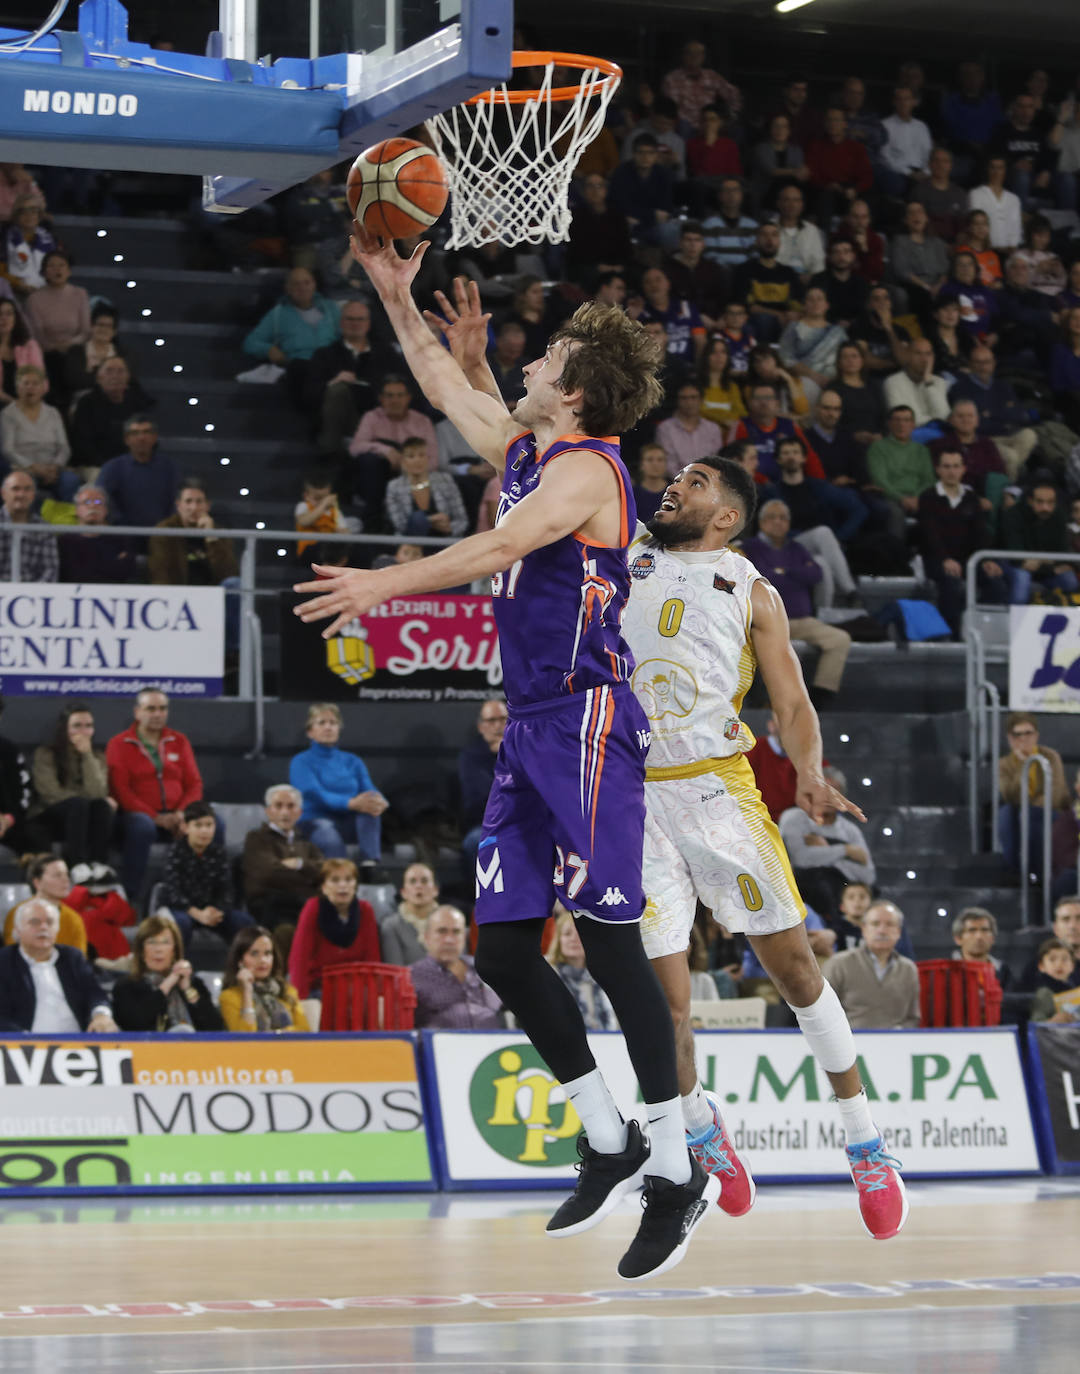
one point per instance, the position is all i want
(251, 686)
(983, 701)
(1043, 764)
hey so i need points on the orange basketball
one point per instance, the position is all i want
(397, 188)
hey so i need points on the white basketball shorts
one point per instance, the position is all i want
(708, 836)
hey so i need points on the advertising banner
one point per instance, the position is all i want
(214, 1111)
(1055, 1060)
(1044, 658)
(947, 1102)
(104, 640)
(417, 648)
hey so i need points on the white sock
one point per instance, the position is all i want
(697, 1110)
(599, 1115)
(855, 1114)
(669, 1157)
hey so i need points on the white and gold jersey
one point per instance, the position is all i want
(688, 625)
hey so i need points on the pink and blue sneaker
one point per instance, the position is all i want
(713, 1150)
(883, 1202)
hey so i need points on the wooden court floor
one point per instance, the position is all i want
(985, 1279)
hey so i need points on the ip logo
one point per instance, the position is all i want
(521, 1110)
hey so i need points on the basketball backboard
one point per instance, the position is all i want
(282, 91)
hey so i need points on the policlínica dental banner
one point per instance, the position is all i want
(230, 1112)
(442, 647)
(1044, 658)
(60, 639)
(947, 1102)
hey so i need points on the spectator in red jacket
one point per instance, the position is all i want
(334, 928)
(839, 167)
(774, 772)
(153, 776)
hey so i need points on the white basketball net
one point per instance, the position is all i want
(510, 164)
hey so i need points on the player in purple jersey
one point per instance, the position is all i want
(566, 813)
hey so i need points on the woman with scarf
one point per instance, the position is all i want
(567, 958)
(334, 928)
(255, 994)
(163, 994)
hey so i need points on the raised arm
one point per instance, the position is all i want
(575, 486)
(465, 326)
(800, 731)
(483, 422)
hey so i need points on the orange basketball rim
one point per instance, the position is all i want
(611, 74)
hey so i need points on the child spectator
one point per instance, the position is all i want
(26, 244)
(318, 510)
(197, 886)
(334, 928)
(255, 993)
(738, 337)
(1055, 998)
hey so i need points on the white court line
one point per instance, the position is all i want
(505, 1364)
(596, 1315)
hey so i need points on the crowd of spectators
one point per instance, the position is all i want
(874, 310)
(291, 906)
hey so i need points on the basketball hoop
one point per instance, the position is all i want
(510, 154)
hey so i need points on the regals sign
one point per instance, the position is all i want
(103, 640)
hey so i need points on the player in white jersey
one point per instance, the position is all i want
(701, 621)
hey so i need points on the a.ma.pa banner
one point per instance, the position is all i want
(226, 1112)
(947, 1102)
(411, 648)
(103, 640)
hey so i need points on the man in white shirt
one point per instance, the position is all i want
(908, 144)
(916, 386)
(1001, 207)
(46, 988)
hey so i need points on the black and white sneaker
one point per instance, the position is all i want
(603, 1181)
(672, 1212)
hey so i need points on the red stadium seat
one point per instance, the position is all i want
(367, 997)
(958, 992)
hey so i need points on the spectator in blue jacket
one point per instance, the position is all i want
(341, 803)
(301, 322)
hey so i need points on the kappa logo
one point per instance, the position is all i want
(613, 897)
(723, 585)
(642, 566)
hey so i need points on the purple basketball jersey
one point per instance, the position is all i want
(566, 814)
(559, 609)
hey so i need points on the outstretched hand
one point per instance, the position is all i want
(464, 323)
(343, 593)
(379, 259)
(816, 796)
